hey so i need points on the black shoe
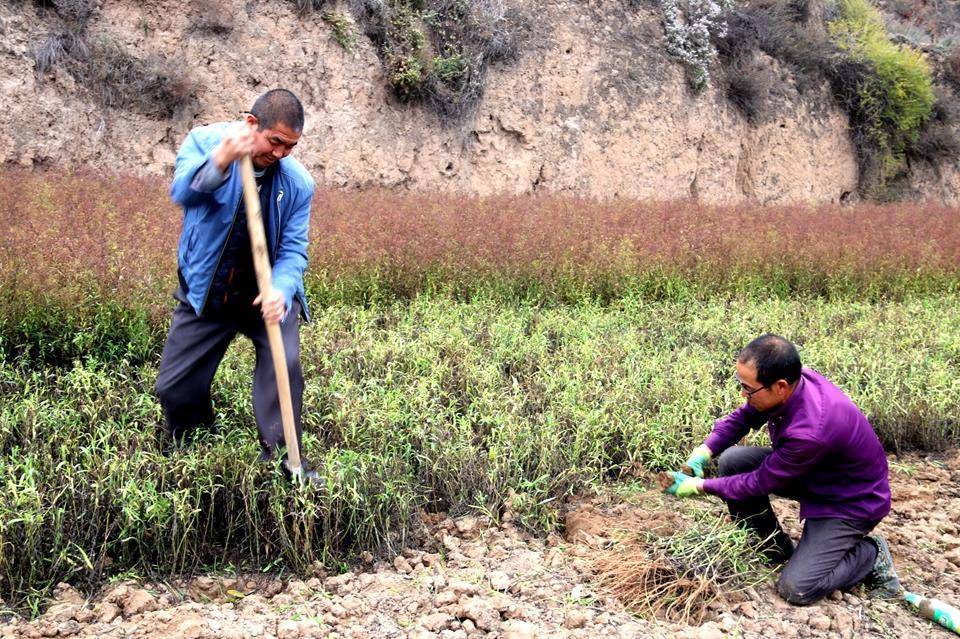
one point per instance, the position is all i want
(883, 578)
(778, 549)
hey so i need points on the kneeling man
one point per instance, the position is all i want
(825, 454)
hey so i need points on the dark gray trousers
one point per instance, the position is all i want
(193, 351)
(833, 554)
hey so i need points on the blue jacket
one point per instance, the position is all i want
(208, 217)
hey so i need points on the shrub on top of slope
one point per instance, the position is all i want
(893, 99)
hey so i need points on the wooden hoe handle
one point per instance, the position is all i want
(261, 264)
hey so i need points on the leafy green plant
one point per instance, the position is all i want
(438, 52)
(342, 29)
(894, 98)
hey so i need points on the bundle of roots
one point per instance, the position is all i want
(678, 567)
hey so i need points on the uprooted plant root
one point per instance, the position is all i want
(676, 573)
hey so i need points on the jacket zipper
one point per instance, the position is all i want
(276, 228)
(206, 298)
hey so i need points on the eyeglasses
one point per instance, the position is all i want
(749, 392)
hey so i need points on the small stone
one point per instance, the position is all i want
(468, 626)
(68, 628)
(401, 564)
(819, 622)
(519, 630)
(836, 595)
(445, 598)
(466, 526)
(577, 618)
(436, 622)
(366, 557)
(62, 612)
(480, 612)
(288, 629)
(709, 631)
(106, 611)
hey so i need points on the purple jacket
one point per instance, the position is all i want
(825, 454)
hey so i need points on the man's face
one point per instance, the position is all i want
(761, 397)
(272, 144)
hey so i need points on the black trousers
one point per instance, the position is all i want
(193, 351)
(833, 554)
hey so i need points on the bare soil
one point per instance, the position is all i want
(474, 578)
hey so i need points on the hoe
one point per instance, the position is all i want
(261, 264)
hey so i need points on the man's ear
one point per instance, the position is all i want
(252, 120)
(782, 386)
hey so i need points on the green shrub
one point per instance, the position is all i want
(342, 29)
(895, 95)
(438, 52)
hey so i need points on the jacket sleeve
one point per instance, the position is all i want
(291, 258)
(732, 428)
(787, 464)
(195, 178)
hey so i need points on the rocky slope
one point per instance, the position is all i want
(592, 106)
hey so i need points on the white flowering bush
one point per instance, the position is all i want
(689, 26)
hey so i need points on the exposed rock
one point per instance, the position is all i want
(479, 610)
(577, 618)
(519, 630)
(466, 526)
(288, 630)
(499, 580)
(401, 564)
(106, 611)
(436, 622)
(138, 602)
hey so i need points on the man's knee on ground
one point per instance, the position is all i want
(794, 591)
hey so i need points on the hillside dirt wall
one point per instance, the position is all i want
(592, 107)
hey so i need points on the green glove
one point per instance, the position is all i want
(698, 460)
(685, 486)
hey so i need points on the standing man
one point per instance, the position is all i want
(218, 295)
(824, 454)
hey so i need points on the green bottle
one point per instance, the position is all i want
(936, 610)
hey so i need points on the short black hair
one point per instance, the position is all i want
(278, 106)
(774, 358)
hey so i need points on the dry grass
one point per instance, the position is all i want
(674, 567)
